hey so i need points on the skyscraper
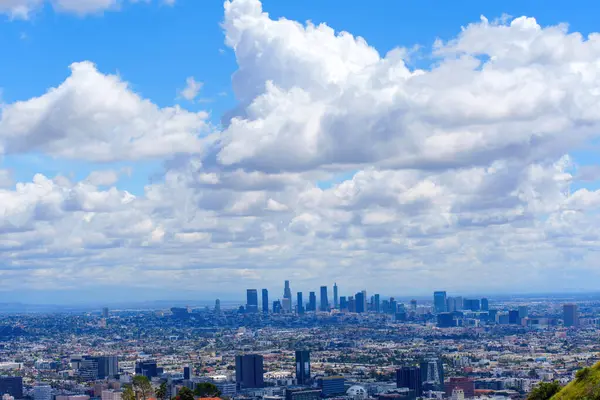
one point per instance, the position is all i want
(324, 300)
(251, 301)
(513, 317)
(335, 296)
(343, 303)
(485, 304)
(410, 377)
(365, 307)
(523, 312)
(105, 312)
(570, 315)
(359, 299)
(432, 373)
(303, 367)
(277, 307)
(312, 302)
(413, 305)
(300, 306)
(217, 306)
(265, 301)
(287, 292)
(439, 301)
(249, 371)
(377, 303)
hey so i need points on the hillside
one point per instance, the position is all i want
(586, 386)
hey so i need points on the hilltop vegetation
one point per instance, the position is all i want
(585, 386)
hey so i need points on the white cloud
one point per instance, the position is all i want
(22, 9)
(97, 117)
(338, 164)
(191, 90)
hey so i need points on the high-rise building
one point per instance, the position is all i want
(523, 312)
(485, 304)
(335, 296)
(410, 377)
(13, 385)
(365, 302)
(332, 385)
(472, 304)
(249, 371)
(251, 301)
(439, 301)
(287, 291)
(343, 303)
(432, 373)
(570, 315)
(451, 304)
(217, 306)
(277, 307)
(312, 302)
(286, 305)
(187, 373)
(377, 303)
(413, 305)
(148, 368)
(324, 300)
(359, 299)
(445, 320)
(105, 312)
(98, 367)
(265, 301)
(303, 367)
(300, 304)
(513, 317)
(393, 306)
(351, 304)
(42, 392)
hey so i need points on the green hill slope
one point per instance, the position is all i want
(586, 386)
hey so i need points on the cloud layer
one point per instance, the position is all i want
(338, 164)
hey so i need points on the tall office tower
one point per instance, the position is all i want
(513, 317)
(377, 303)
(265, 301)
(249, 371)
(450, 304)
(523, 312)
(413, 305)
(312, 302)
(105, 312)
(300, 306)
(286, 305)
(187, 373)
(148, 368)
(217, 306)
(439, 302)
(251, 301)
(351, 304)
(108, 366)
(359, 301)
(277, 307)
(570, 315)
(324, 300)
(393, 306)
(460, 303)
(287, 292)
(343, 303)
(432, 373)
(471, 304)
(42, 392)
(365, 305)
(485, 304)
(410, 377)
(13, 385)
(303, 367)
(335, 296)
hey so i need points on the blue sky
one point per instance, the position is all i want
(321, 207)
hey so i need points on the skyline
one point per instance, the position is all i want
(248, 146)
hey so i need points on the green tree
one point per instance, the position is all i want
(207, 389)
(128, 393)
(185, 394)
(544, 391)
(161, 392)
(142, 387)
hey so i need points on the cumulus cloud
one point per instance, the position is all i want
(498, 91)
(338, 163)
(191, 90)
(97, 117)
